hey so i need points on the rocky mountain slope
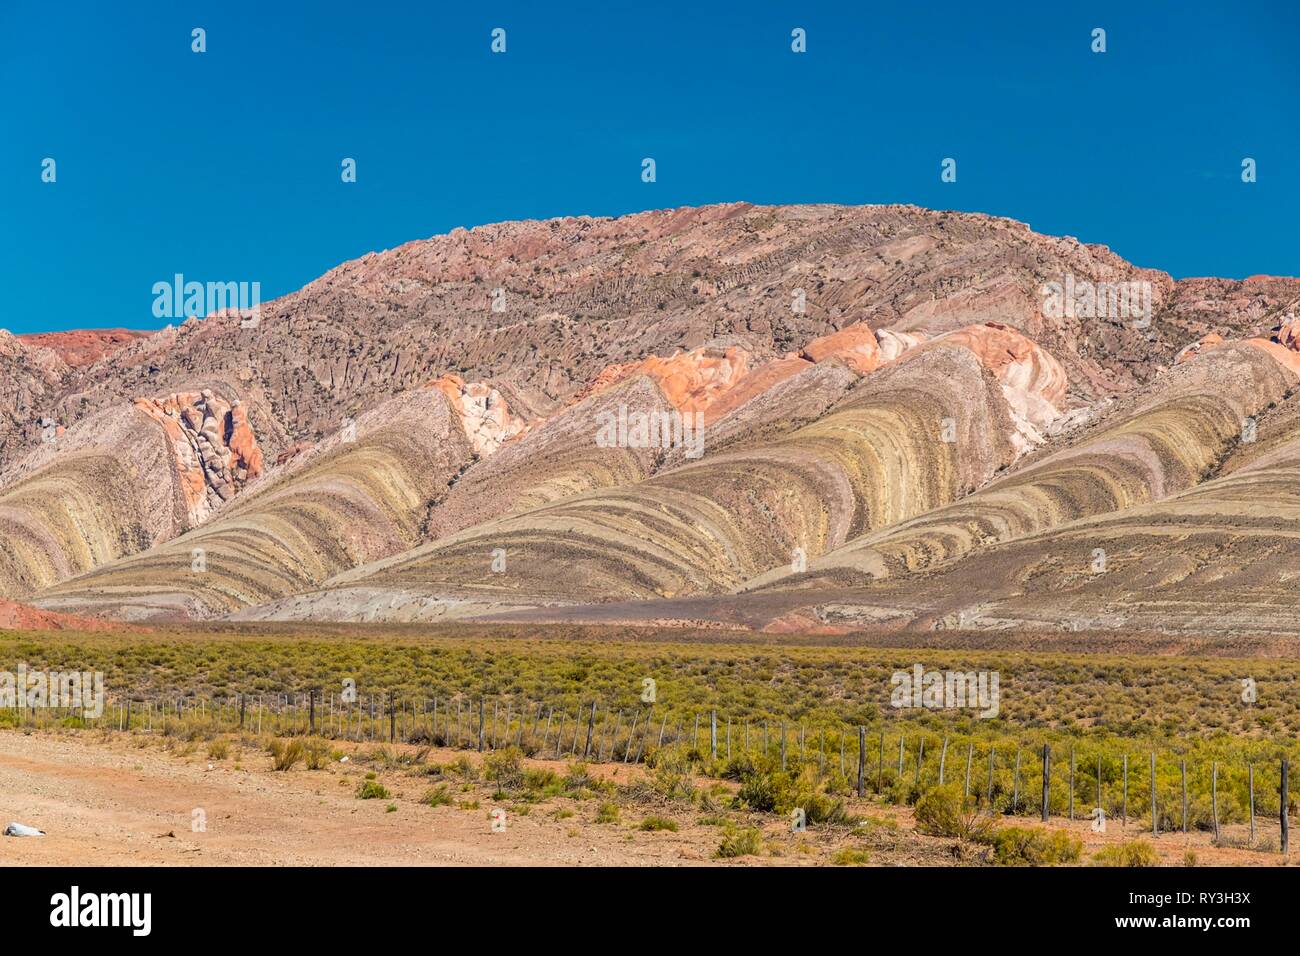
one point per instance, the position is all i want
(810, 416)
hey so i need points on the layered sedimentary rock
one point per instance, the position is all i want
(483, 413)
(856, 346)
(897, 430)
(876, 457)
(357, 496)
(1033, 381)
(1218, 558)
(102, 489)
(579, 294)
(691, 381)
(214, 448)
(1154, 447)
(558, 459)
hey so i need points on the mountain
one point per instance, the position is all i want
(817, 417)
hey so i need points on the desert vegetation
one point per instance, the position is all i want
(780, 728)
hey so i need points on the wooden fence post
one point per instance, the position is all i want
(1155, 824)
(1071, 783)
(1286, 829)
(1184, 771)
(631, 735)
(591, 729)
(970, 755)
(311, 713)
(1214, 796)
(943, 758)
(482, 722)
(862, 758)
(1250, 772)
(1015, 785)
(1047, 776)
(713, 735)
(1099, 779)
(1124, 809)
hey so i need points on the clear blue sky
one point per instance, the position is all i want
(225, 165)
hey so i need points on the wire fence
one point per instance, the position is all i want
(1156, 790)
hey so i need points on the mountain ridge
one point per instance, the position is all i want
(861, 368)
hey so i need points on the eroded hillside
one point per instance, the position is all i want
(812, 416)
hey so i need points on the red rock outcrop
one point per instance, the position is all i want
(691, 381)
(21, 617)
(855, 345)
(215, 451)
(483, 413)
(1284, 350)
(1033, 381)
(1284, 356)
(1288, 334)
(84, 346)
(894, 345)
(757, 382)
(1190, 352)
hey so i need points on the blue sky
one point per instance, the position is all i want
(225, 165)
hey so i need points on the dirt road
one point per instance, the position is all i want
(119, 800)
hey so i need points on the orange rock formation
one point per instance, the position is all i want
(213, 445)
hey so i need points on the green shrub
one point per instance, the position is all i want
(1034, 846)
(760, 791)
(946, 812)
(285, 755)
(372, 790)
(746, 842)
(439, 796)
(578, 777)
(607, 813)
(317, 752)
(652, 823)
(671, 776)
(772, 791)
(1134, 853)
(505, 768)
(543, 781)
(851, 856)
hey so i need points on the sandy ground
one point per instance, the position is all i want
(114, 800)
